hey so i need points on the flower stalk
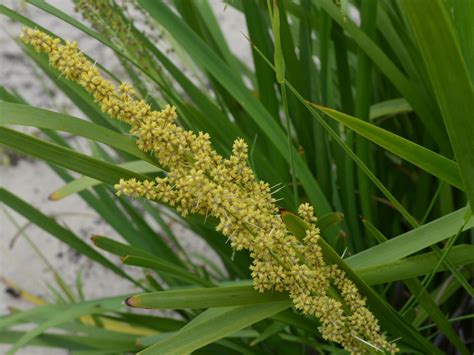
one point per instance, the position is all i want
(200, 181)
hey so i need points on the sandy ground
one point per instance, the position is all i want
(34, 180)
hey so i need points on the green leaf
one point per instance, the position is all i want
(259, 36)
(434, 163)
(389, 108)
(268, 332)
(65, 157)
(412, 241)
(450, 78)
(428, 304)
(24, 115)
(6, 95)
(204, 298)
(363, 99)
(74, 342)
(161, 265)
(442, 294)
(278, 54)
(85, 182)
(152, 248)
(63, 315)
(214, 324)
(44, 340)
(162, 324)
(207, 13)
(296, 320)
(118, 248)
(406, 87)
(329, 221)
(51, 226)
(295, 225)
(245, 294)
(414, 266)
(463, 12)
(91, 337)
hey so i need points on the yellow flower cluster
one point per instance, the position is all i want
(110, 18)
(201, 181)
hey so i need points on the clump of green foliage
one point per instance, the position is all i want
(371, 119)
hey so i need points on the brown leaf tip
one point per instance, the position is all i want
(129, 302)
(53, 196)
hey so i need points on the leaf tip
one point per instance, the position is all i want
(54, 196)
(131, 301)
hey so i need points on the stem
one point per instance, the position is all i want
(362, 106)
(290, 151)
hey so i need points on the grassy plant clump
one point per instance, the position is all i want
(352, 119)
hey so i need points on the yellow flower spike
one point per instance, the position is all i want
(306, 211)
(201, 181)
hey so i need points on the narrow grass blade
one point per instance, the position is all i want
(344, 164)
(434, 163)
(214, 28)
(242, 295)
(65, 157)
(363, 100)
(57, 318)
(442, 294)
(389, 108)
(86, 182)
(406, 87)
(72, 342)
(39, 314)
(412, 241)
(164, 266)
(330, 220)
(257, 29)
(118, 248)
(296, 320)
(429, 305)
(215, 326)
(24, 115)
(268, 332)
(51, 226)
(415, 266)
(463, 18)
(449, 75)
(204, 298)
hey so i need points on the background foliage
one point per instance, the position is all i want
(363, 108)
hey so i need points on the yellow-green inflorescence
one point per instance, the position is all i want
(201, 181)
